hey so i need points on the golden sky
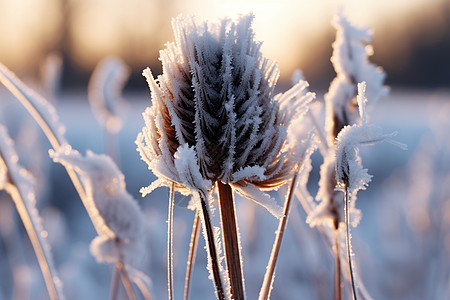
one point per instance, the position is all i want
(136, 29)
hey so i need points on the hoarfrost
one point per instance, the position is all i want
(104, 91)
(349, 170)
(28, 97)
(105, 185)
(12, 172)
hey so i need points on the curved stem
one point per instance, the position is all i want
(170, 242)
(210, 242)
(192, 250)
(28, 98)
(269, 277)
(347, 241)
(41, 255)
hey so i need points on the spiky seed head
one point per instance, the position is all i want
(216, 96)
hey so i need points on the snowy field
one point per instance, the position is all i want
(402, 245)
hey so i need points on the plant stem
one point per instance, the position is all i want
(170, 242)
(192, 250)
(25, 212)
(27, 98)
(269, 277)
(347, 240)
(210, 242)
(231, 240)
(126, 282)
(338, 261)
(115, 282)
(41, 255)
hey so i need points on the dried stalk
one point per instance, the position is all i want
(269, 277)
(338, 261)
(347, 240)
(192, 251)
(210, 242)
(115, 282)
(18, 89)
(231, 240)
(170, 242)
(42, 255)
(126, 282)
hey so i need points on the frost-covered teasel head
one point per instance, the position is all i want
(105, 184)
(214, 108)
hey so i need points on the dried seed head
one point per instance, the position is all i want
(216, 96)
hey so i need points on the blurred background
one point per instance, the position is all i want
(411, 37)
(402, 245)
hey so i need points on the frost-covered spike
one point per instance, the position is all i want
(20, 185)
(351, 63)
(253, 193)
(362, 101)
(41, 110)
(216, 96)
(349, 170)
(250, 173)
(105, 184)
(188, 169)
(104, 92)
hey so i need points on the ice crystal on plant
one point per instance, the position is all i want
(350, 60)
(105, 88)
(216, 97)
(105, 184)
(349, 170)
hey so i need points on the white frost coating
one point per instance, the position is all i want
(24, 183)
(349, 170)
(105, 184)
(29, 97)
(186, 163)
(253, 193)
(104, 91)
(351, 63)
(215, 97)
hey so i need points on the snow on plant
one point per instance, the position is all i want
(214, 113)
(351, 51)
(104, 91)
(216, 95)
(105, 185)
(18, 183)
(349, 171)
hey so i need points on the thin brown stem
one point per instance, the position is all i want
(170, 242)
(338, 261)
(210, 242)
(127, 283)
(192, 251)
(231, 240)
(347, 241)
(269, 277)
(115, 282)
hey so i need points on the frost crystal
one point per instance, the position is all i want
(214, 111)
(349, 170)
(105, 88)
(350, 60)
(105, 184)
